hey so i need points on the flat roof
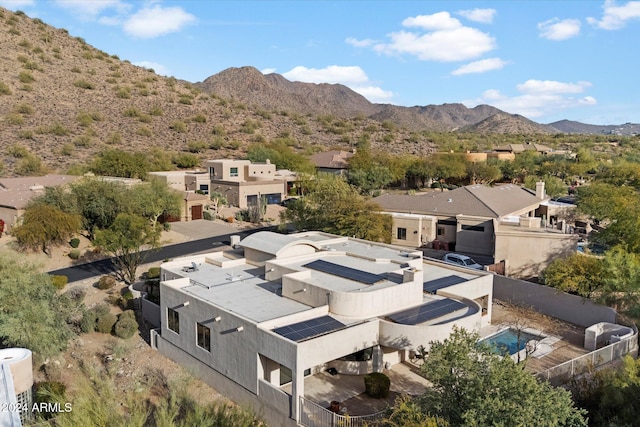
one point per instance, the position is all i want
(241, 289)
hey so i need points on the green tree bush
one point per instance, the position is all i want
(377, 385)
(44, 226)
(126, 326)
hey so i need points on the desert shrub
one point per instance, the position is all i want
(47, 392)
(30, 166)
(26, 77)
(105, 322)
(144, 118)
(14, 119)
(230, 219)
(377, 385)
(178, 126)
(74, 254)
(4, 89)
(155, 111)
(67, 149)
(185, 99)
(83, 84)
(76, 294)
(207, 215)
(186, 160)
(153, 273)
(126, 326)
(123, 92)
(219, 130)
(166, 226)
(200, 118)
(58, 129)
(82, 141)
(59, 281)
(234, 145)
(25, 134)
(114, 138)
(23, 109)
(249, 126)
(106, 282)
(126, 300)
(18, 151)
(131, 112)
(74, 243)
(197, 146)
(144, 131)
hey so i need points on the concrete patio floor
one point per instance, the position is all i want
(323, 388)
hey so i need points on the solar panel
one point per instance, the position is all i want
(344, 272)
(443, 282)
(425, 312)
(309, 328)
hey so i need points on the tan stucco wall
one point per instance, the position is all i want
(10, 216)
(237, 192)
(421, 229)
(477, 242)
(527, 253)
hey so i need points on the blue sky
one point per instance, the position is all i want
(546, 60)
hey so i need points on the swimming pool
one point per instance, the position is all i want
(507, 341)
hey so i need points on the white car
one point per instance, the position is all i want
(462, 260)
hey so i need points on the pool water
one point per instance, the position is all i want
(507, 341)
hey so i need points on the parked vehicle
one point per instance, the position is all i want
(462, 260)
(287, 202)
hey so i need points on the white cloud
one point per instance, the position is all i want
(555, 29)
(446, 40)
(437, 21)
(374, 93)
(331, 74)
(89, 10)
(158, 68)
(484, 16)
(15, 4)
(537, 99)
(268, 70)
(615, 17)
(353, 77)
(481, 66)
(359, 43)
(156, 20)
(551, 87)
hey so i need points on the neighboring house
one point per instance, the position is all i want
(194, 188)
(15, 194)
(504, 222)
(334, 162)
(184, 180)
(257, 322)
(521, 148)
(244, 183)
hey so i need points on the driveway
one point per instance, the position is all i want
(202, 229)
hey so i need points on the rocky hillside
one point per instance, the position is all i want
(274, 92)
(508, 123)
(63, 101)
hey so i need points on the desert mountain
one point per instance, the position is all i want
(274, 92)
(62, 101)
(568, 126)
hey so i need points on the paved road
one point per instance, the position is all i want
(105, 266)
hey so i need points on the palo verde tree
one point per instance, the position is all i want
(32, 314)
(153, 199)
(99, 203)
(44, 226)
(125, 239)
(472, 386)
(334, 206)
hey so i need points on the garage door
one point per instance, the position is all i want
(196, 212)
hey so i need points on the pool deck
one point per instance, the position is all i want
(565, 341)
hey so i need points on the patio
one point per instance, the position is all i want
(323, 388)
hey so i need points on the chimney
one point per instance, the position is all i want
(540, 190)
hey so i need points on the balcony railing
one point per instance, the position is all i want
(562, 374)
(314, 415)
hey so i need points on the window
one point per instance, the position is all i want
(173, 320)
(204, 336)
(204, 188)
(402, 233)
(233, 172)
(440, 231)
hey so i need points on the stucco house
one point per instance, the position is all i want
(258, 322)
(333, 162)
(15, 194)
(244, 183)
(504, 222)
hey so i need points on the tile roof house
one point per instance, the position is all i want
(334, 162)
(502, 221)
(256, 324)
(15, 194)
